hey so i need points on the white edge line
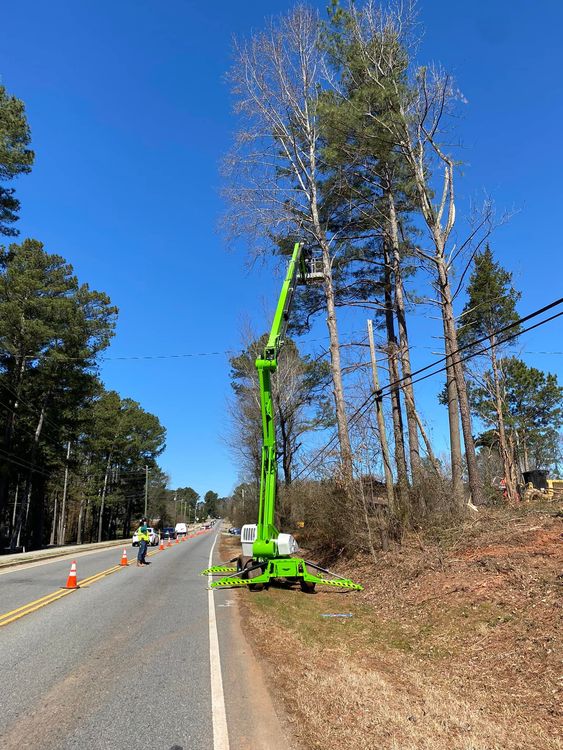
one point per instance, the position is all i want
(219, 714)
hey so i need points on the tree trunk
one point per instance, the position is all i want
(404, 353)
(367, 521)
(103, 499)
(127, 519)
(336, 370)
(14, 511)
(286, 453)
(61, 535)
(86, 509)
(335, 366)
(455, 435)
(381, 425)
(475, 484)
(80, 519)
(22, 526)
(54, 524)
(430, 453)
(392, 358)
(506, 455)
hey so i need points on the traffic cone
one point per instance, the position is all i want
(169, 542)
(71, 580)
(124, 560)
(161, 545)
(177, 540)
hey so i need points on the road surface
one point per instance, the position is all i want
(131, 661)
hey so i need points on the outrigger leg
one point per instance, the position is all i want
(261, 573)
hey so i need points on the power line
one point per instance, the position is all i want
(23, 401)
(508, 327)
(379, 394)
(351, 421)
(182, 355)
(472, 354)
(21, 463)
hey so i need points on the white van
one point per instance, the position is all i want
(181, 529)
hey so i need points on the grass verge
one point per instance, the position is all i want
(453, 645)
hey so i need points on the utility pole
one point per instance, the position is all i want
(54, 527)
(146, 491)
(176, 508)
(61, 535)
(381, 421)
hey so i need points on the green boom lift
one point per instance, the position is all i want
(267, 554)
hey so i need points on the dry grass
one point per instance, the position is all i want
(454, 644)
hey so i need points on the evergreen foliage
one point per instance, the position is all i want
(532, 409)
(491, 300)
(52, 331)
(15, 156)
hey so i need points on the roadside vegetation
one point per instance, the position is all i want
(345, 143)
(455, 642)
(76, 459)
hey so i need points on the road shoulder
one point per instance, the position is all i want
(255, 719)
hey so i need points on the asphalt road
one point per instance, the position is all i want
(23, 583)
(120, 664)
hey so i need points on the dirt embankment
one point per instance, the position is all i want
(454, 643)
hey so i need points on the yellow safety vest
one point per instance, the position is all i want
(143, 536)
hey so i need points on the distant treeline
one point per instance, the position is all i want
(74, 457)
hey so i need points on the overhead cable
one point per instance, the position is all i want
(379, 393)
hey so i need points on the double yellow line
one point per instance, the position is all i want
(15, 614)
(33, 606)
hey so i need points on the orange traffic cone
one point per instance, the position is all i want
(71, 580)
(169, 542)
(177, 540)
(161, 545)
(124, 560)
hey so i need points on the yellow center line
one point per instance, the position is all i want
(56, 595)
(97, 576)
(36, 604)
(29, 604)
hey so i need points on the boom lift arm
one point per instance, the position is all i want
(266, 366)
(267, 554)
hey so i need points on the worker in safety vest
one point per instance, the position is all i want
(144, 538)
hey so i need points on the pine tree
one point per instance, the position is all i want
(15, 156)
(491, 305)
(370, 195)
(274, 170)
(51, 330)
(532, 408)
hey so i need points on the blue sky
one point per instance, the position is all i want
(130, 117)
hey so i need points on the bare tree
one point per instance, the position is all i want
(274, 168)
(300, 403)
